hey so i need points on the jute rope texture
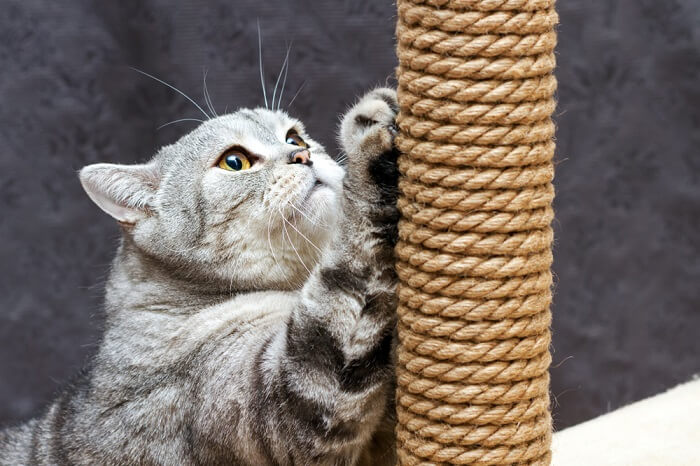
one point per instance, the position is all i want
(474, 253)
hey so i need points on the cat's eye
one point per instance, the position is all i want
(234, 160)
(294, 139)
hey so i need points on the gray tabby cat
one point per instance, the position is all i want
(250, 307)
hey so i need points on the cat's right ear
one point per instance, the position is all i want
(125, 192)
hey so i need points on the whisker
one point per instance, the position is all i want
(178, 121)
(272, 251)
(293, 206)
(262, 78)
(285, 235)
(303, 236)
(207, 97)
(284, 81)
(295, 95)
(342, 157)
(173, 88)
(269, 242)
(285, 66)
(316, 224)
(291, 243)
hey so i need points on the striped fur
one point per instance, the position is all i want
(222, 350)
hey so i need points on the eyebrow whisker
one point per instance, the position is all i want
(262, 78)
(284, 68)
(284, 81)
(178, 121)
(297, 93)
(175, 89)
(207, 97)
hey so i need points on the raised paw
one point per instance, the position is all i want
(367, 135)
(369, 127)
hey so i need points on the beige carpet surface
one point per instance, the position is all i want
(663, 430)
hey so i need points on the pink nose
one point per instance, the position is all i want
(301, 156)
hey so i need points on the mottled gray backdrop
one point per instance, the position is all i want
(627, 299)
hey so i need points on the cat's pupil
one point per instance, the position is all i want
(291, 140)
(234, 162)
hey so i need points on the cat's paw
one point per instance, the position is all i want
(367, 135)
(369, 126)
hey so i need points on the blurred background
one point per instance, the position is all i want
(627, 252)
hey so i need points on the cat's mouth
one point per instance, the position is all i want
(318, 185)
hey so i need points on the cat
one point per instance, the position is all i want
(250, 309)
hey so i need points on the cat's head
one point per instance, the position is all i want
(246, 199)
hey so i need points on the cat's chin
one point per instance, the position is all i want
(318, 188)
(321, 196)
(321, 205)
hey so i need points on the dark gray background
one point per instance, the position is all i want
(627, 301)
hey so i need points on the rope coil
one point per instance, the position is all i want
(475, 90)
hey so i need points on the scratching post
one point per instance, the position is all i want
(474, 253)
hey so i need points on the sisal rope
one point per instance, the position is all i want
(474, 252)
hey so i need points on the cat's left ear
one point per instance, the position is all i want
(125, 192)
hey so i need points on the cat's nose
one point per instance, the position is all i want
(302, 156)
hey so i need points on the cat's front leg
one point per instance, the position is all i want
(329, 376)
(367, 135)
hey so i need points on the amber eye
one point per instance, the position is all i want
(294, 139)
(234, 160)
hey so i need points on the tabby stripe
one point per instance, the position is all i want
(341, 278)
(311, 414)
(371, 369)
(310, 344)
(314, 346)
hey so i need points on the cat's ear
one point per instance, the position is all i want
(123, 191)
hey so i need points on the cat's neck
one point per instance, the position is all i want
(139, 282)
